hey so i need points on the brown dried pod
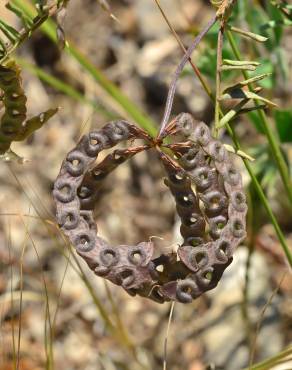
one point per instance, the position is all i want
(209, 200)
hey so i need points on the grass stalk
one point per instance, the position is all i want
(65, 88)
(280, 357)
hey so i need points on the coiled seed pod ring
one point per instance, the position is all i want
(209, 199)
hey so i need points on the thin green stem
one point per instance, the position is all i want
(65, 88)
(267, 364)
(275, 148)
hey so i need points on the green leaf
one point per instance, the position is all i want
(283, 120)
(251, 35)
(246, 67)
(242, 94)
(246, 82)
(267, 68)
(35, 123)
(230, 62)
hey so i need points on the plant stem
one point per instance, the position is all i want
(275, 149)
(267, 364)
(195, 68)
(65, 88)
(218, 78)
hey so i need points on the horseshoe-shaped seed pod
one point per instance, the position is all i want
(202, 164)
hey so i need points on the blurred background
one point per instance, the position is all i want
(54, 312)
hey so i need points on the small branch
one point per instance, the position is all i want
(180, 67)
(218, 77)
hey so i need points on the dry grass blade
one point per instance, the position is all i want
(167, 335)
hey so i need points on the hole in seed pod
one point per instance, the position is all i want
(160, 268)
(136, 257)
(239, 198)
(84, 192)
(93, 141)
(238, 228)
(203, 176)
(190, 155)
(119, 130)
(65, 189)
(98, 175)
(217, 224)
(109, 257)
(185, 200)
(237, 225)
(202, 131)
(15, 96)
(232, 172)
(179, 176)
(199, 257)
(186, 289)
(223, 248)
(186, 125)
(84, 240)
(208, 275)
(214, 202)
(15, 112)
(193, 219)
(69, 218)
(117, 156)
(194, 241)
(232, 176)
(75, 162)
